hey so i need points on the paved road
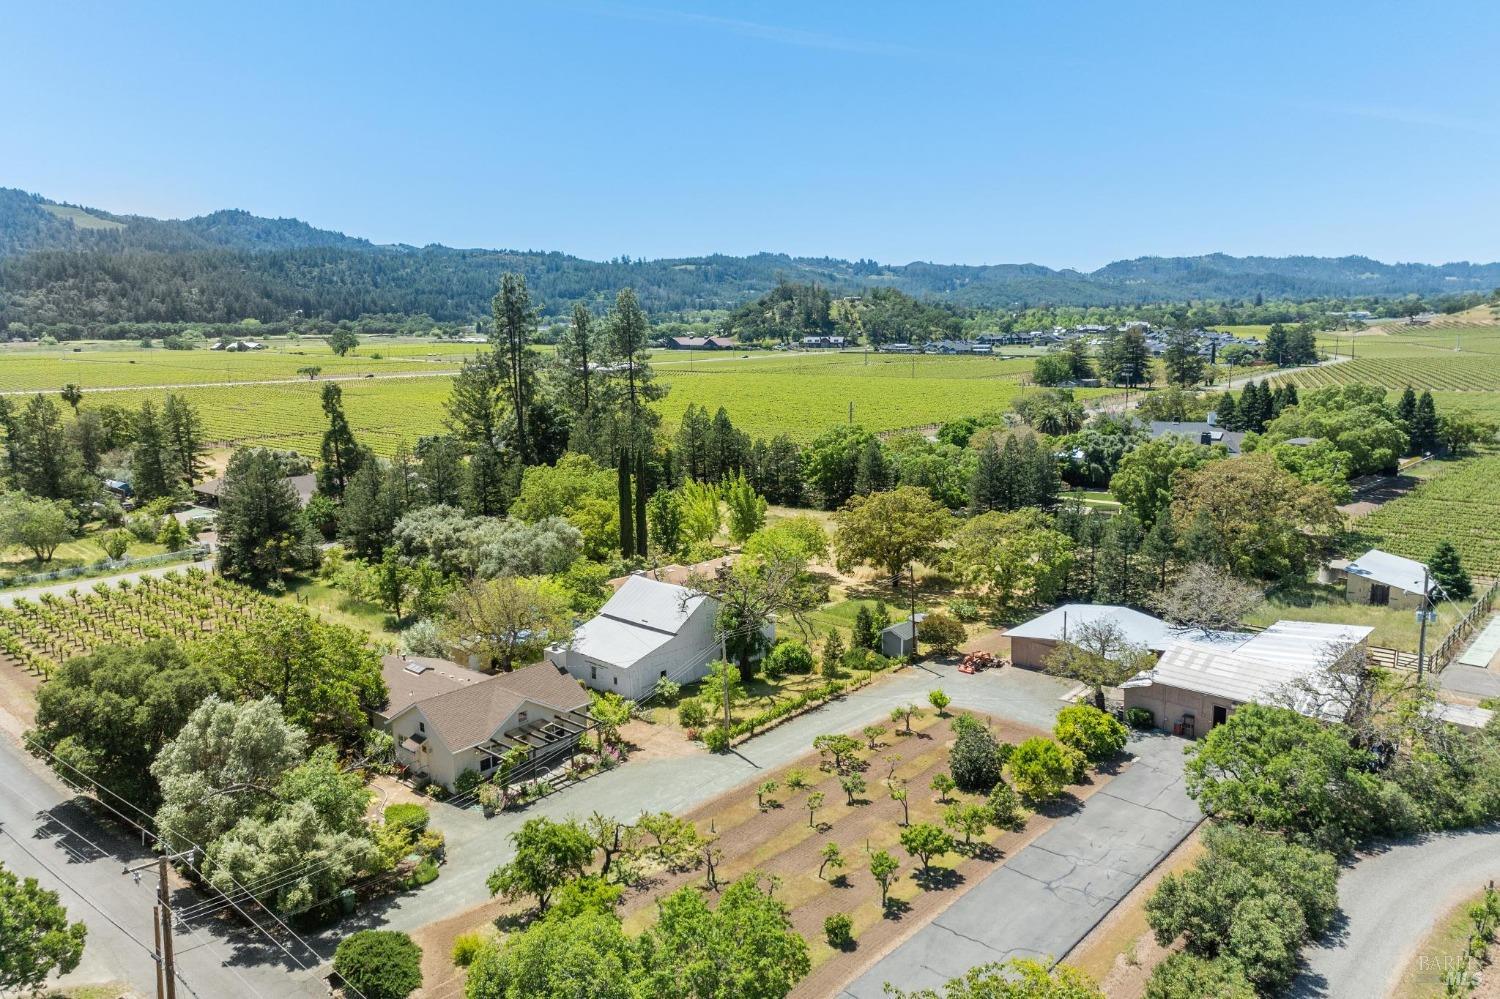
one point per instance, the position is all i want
(478, 845)
(1047, 897)
(1390, 900)
(46, 833)
(62, 587)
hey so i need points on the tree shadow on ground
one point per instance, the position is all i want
(896, 909)
(937, 878)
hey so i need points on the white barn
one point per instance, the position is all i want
(646, 631)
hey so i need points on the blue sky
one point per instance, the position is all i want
(1066, 134)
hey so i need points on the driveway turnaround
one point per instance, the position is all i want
(1390, 900)
(1048, 896)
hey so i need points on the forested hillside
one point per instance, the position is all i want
(64, 264)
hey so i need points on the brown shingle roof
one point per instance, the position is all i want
(407, 687)
(464, 712)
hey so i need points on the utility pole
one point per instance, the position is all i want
(911, 567)
(166, 967)
(1422, 632)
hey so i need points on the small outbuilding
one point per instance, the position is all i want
(1195, 686)
(896, 640)
(1384, 580)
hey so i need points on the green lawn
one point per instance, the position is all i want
(338, 607)
(79, 552)
(1394, 629)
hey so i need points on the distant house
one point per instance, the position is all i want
(824, 341)
(118, 488)
(238, 345)
(647, 631)
(1385, 580)
(446, 719)
(700, 343)
(897, 348)
(1196, 685)
(1207, 434)
(678, 574)
(209, 491)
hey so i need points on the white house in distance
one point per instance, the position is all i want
(1197, 685)
(648, 630)
(1385, 580)
(447, 719)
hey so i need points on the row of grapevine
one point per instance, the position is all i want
(1461, 505)
(39, 634)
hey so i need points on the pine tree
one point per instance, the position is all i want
(1424, 424)
(1159, 551)
(871, 476)
(515, 330)
(370, 511)
(182, 429)
(864, 628)
(150, 474)
(342, 457)
(987, 487)
(1448, 573)
(1406, 409)
(1226, 412)
(1277, 348)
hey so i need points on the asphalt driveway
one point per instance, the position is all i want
(1048, 896)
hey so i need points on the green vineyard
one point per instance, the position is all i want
(38, 635)
(1456, 373)
(1462, 505)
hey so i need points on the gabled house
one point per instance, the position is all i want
(647, 631)
(209, 491)
(446, 719)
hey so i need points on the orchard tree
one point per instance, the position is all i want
(884, 869)
(744, 947)
(1041, 768)
(925, 842)
(548, 855)
(1098, 655)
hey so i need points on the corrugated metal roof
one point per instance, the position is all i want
(647, 603)
(618, 643)
(1138, 628)
(1262, 667)
(1392, 570)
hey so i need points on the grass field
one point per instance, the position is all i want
(1462, 505)
(765, 394)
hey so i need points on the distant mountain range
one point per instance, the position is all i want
(65, 263)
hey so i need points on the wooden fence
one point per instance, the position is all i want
(1451, 644)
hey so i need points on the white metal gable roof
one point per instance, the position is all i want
(649, 603)
(1392, 570)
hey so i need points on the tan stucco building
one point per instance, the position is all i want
(1196, 685)
(1384, 580)
(446, 719)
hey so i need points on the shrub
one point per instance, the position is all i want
(668, 691)
(964, 610)
(1187, 976)
(975, 761)
(839, 929)
(1140, 718)
(941, 633)
(787, 657)
(466, 947)
(1040, 768)
(692, 713)
(491, 798)
(379, 964)
(409, 816)
(1094, 733)
(425, 873)
(716, 739)
(1005, 806)
(467, 782)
